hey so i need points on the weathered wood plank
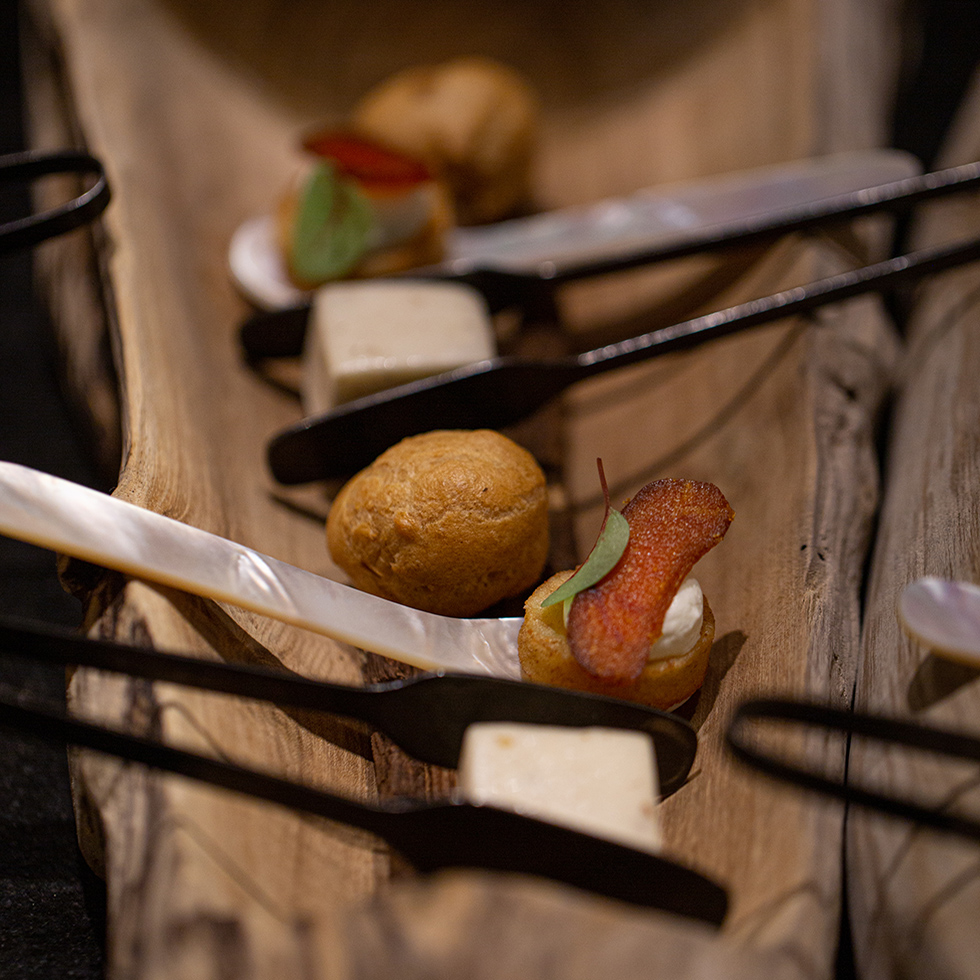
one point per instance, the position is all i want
(914, 894)
(195, 110)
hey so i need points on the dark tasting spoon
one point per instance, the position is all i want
(432, 836)
(502, 391)
(427, 716)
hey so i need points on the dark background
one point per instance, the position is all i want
(51, 906)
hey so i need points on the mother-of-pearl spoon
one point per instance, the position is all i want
(943, 615)
(75, 520)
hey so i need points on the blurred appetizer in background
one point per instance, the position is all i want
(362, 210)
(472, 120)
(431, 148)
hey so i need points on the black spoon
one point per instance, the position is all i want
(744, 743)
(89, 204)
(500, 392)
(426, 715)
(432, 836)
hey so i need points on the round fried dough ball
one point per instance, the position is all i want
(448, 521)
(473, 120)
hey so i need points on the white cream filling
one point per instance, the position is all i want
(597, 780)
(400, 217)
(682, 622)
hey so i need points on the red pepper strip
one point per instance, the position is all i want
(368, 162)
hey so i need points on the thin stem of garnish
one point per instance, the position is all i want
(605, 496)
(606, 552)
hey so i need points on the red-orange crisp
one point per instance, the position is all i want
(673, 523)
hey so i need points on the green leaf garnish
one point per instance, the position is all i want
(606, 552)
(602, 559)
(331, 229)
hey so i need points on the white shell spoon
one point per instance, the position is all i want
(943, 615)
(75, 520)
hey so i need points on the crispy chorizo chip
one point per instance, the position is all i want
(673, 523)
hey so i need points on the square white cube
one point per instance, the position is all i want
(365, 336)
(601, 781)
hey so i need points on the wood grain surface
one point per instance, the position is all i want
(914, 893)
(196, 109)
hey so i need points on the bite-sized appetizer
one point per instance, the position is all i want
(473, 120)
(600, 781)
(428, 149)
(363, 209)
(450, 522)
(641, 630)
(374, 334)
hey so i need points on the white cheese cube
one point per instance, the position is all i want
(601, 781)
(369, 335)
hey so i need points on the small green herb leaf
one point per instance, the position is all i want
(602, 559)
(607, 550)
(331, 228)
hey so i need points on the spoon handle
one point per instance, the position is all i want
(75, 520)
(281, 687)
(877, 277)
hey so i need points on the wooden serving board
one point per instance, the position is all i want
(195, 109)
(916, 893)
